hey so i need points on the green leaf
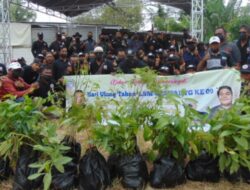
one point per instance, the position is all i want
(221, 147)
(241, 141)
(59, 167)
(181, 139)
(47, 181)
(194, 147)
(35, 165)
(64, 160)
(147, 133)
(34, 176)
(226, 133)
(222, 162)
(175, 154)
(217, 127)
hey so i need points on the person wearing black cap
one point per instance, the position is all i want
(191, 55)
(245, 76)
(39, 46)
(56, 45)
(190, 69)
(151, 60)
(130, 63)
(173, 62)
(30, 73)
(165, 70)
(76, 45)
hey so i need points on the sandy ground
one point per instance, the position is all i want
(223, 185)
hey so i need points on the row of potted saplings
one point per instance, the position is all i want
(93, 172)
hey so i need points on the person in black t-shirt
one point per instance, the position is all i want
(57, 45)
(39, 46)
(60, 66)
(215, 58)
(31, 72)
(244, 43)
(100, 65)
(3, 70)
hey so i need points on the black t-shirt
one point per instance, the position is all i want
(128, 65)
(59, 68)
(38, 46)
(28, 75)
(243, 51)
(3, 70)
(106, 67)
(44, 87)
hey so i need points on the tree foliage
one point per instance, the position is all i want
(163, 22)
(20, 14)
(229, 15)
(126, 13)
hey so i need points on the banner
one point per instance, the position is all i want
(200, 86)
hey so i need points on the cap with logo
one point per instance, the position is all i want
(245, 69)
(214, 39)
(151, 55)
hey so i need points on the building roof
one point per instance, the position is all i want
(73, 8)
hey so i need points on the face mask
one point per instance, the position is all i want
(151, 62)
(90, 37)
(16, 73)
(222, 38)
(47, 78)
(98, 57)
(191, 47)
(215, 50)
(243, 36)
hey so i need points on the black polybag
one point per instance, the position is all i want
(204, 168)
(133, 171)
(5, 170)
(69, 179)
(245, 174)
(167, 172)
(27, 156)
(112, 162)
(94, 172)
(234, 177)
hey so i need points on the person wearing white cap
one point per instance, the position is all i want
(13, 84)
(100, 65)
(214, 59)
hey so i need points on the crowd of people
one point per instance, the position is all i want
(121, 53)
